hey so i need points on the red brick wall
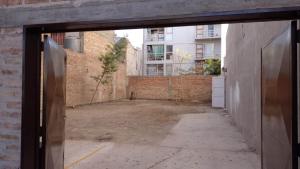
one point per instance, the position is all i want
(95, 43)
(11, 45)
(80, 85)
(186, 88)
(81, 66)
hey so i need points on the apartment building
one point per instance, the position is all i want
(208, 45)
(173, 51)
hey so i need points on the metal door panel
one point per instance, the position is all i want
(278, 102)
(54, 104)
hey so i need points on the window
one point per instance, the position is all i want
(155, 52)
(169, 34)
(199, 31)
(151, 70)
(208, 50)
(156, 34)
(160, 70)
(169, 69)
(155, 70)
(169, 30)
(210, 30)
(169, 52)
(210, 27)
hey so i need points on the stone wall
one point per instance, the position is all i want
(243, 77)
(10, 97)
(187, 88)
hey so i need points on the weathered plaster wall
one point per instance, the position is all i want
(133, 60)
(243, 77)
(11, 42)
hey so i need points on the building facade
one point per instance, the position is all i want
(208, 45)
(134, 61)
(180, 50)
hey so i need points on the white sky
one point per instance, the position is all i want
(135, 36)
(224, 29)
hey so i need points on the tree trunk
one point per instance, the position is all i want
(100, 80)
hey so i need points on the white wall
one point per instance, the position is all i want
(186, 34)
(183, 41)
(184, 53)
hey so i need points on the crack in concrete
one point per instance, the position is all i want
(165, 159)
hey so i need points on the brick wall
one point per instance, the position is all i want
(95, 43)
(10, 97)
(187, 88)
(82, 66)
(26, 12)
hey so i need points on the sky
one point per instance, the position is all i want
(224, 30)
(135, 36)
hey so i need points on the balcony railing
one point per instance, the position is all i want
(156, 37)
(155, 56)
(203, 56)
(208, 34)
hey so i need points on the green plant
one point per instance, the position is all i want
(212, 67)
(110, 60)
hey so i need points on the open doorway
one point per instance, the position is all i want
(160, 111)
(161, 71)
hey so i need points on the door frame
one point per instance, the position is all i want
(32, 47)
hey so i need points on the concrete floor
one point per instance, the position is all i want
(206, 140)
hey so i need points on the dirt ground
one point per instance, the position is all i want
(147, 134)
(132, 122)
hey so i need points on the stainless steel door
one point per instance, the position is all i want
(54, 104)
(279, 101)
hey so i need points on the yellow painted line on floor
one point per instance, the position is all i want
(83, 158)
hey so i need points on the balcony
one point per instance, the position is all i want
(199, 58)
(210, 34)
(204, 56)
(155, 37)
(155, 34)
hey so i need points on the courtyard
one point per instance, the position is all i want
(154, 134)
